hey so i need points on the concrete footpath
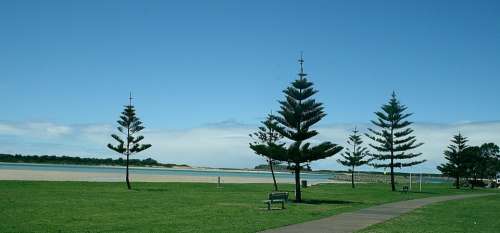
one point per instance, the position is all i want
(357, 220)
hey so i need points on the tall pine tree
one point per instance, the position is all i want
(264, 139)
(129, 125)
(299, 112)
(355, 157)
(455, 167)
(392, 139)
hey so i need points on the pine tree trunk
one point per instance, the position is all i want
(298, 195)
(352, 176)
(128, 155)
(126, 176)
(393, 186)
(272, 172)
(457, 182)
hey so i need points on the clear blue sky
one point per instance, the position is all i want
(189, 63)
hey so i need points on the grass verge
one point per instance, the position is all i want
(468, 215)
(178, 207)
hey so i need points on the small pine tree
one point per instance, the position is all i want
(129, 125)
(299, 112)
(264, 138)
(355, 157)
(393, 138)
(455, 166)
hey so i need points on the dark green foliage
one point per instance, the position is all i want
(474, 164)
(491, 154)
(455, 166)
(265, 138)
(481, 163)
(129, 125)
(471, 162)
(393, 140)
(299, 112)
(355, 157)
(52, 159)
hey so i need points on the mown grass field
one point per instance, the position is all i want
(469, 215)
(177, 207)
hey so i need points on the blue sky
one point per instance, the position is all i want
(192, 64)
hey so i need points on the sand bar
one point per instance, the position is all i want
(15, 174)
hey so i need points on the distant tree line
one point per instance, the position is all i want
(278, 167)
(52, 159)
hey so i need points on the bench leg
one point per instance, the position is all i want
(282, 205)
(269, 206)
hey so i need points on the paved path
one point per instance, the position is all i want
(355, 221)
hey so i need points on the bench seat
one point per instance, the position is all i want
(277, 197)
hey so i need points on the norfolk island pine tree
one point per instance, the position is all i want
(298, 113)
(355, 157)
(455, 167)
(264, 138)
(129, 125)
(393, 140)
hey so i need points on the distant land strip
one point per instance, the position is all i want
(52, 159)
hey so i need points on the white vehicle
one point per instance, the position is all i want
(498, 178)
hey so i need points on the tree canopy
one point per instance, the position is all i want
(455, 167)
(355, 157)
(129, 125)
(264, 140)
(393, 139)
(299, 112)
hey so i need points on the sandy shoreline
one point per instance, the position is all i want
(14, 174)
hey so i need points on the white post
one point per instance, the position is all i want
(410, 181)
(420, 181)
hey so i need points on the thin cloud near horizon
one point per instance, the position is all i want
(219, 144)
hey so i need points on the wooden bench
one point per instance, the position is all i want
(278, 197)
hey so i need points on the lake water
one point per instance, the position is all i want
(313, 177)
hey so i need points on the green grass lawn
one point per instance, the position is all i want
(177, 207)
(468, 215)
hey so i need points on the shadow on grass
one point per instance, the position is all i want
(331, 202)
(152, 190)
(416, 192)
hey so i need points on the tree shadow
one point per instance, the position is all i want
(416, 192)
(273, 209)
(424, 192)
(331, 202)
(152, 189)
